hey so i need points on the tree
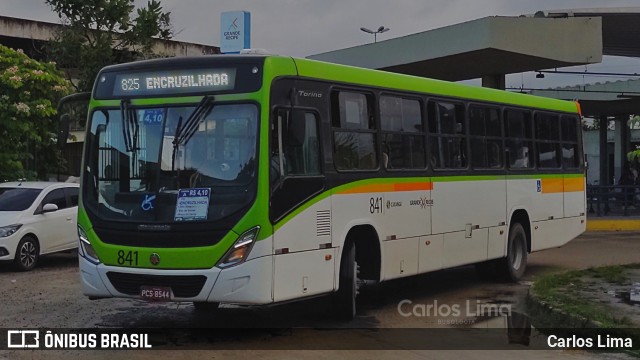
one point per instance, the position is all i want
(29, 92)
(98, 33)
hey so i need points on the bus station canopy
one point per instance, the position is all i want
(495, 46)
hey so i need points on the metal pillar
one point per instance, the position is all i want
(625, 136)
(494, 81)
(603, 151)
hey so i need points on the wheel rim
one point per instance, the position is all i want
(27, 254)
(516, 259)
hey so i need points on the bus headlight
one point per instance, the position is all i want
(240, 249)
(85, 249)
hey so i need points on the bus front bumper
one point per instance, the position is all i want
(249, 283)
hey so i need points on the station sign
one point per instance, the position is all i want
(235, 31)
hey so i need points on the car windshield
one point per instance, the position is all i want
(172, 164)
(17, 199)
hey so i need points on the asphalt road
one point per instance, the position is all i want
(389, 313)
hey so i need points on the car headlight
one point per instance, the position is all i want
(85, 249)
(240, 249)
(9, 230)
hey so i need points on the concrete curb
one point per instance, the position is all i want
(612, 225)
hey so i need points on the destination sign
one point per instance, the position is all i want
(173, 82)
(197, 76)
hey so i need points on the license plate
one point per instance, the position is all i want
(155, 293)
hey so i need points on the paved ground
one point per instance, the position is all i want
(50, 297)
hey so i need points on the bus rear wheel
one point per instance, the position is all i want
(345, 297)
(513, 267)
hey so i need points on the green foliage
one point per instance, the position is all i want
(98, 33)
(29, 91)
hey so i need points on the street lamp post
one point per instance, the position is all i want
(380, 30)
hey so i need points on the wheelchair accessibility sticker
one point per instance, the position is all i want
(147, 203)
(539, 185)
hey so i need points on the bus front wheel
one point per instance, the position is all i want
(345, 297)
(514, 265)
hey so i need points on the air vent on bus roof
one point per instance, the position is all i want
(254, 52)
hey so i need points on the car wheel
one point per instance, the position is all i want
(27, 254)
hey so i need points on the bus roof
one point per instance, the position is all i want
(355, 75)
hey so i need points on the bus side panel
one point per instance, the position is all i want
(307, 230)
(460, 249)
(405, 214)
(519, 196)
(430, 250)
(303, 274)
(548, 198)
(554, 233)
(401, 258)
(304, 265)
(463, 211)
(574, 188)
(497, 242)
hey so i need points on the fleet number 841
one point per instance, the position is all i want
(375, 205)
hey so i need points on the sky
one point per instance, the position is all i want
(306, 27)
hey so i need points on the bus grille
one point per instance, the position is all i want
(181, 286)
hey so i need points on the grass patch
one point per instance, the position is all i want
(567, 291)
(611, 274)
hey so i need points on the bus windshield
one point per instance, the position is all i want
(171, 164)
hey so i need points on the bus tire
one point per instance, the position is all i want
(27, 254)
(206, 307)
(345, 297)
(514, 265)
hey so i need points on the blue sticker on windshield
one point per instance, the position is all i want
(153, 116)
(192, 204)
(147, 202)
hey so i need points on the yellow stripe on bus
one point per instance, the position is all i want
(551, 186)
(373, 188)
(573, 184)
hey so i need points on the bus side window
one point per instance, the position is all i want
(570, 126)
(354, 133)
(447, 135)
(298, 159)
(305, 159)
(519, 139)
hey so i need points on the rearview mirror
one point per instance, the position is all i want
(47, 208)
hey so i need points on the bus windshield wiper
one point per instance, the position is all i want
(130, 129)
(184, 131)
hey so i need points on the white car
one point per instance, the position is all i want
(37, 218)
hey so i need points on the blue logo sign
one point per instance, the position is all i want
(147, 202)
(539, 185)
(235, 31)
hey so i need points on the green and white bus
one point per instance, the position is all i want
(258, 179)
